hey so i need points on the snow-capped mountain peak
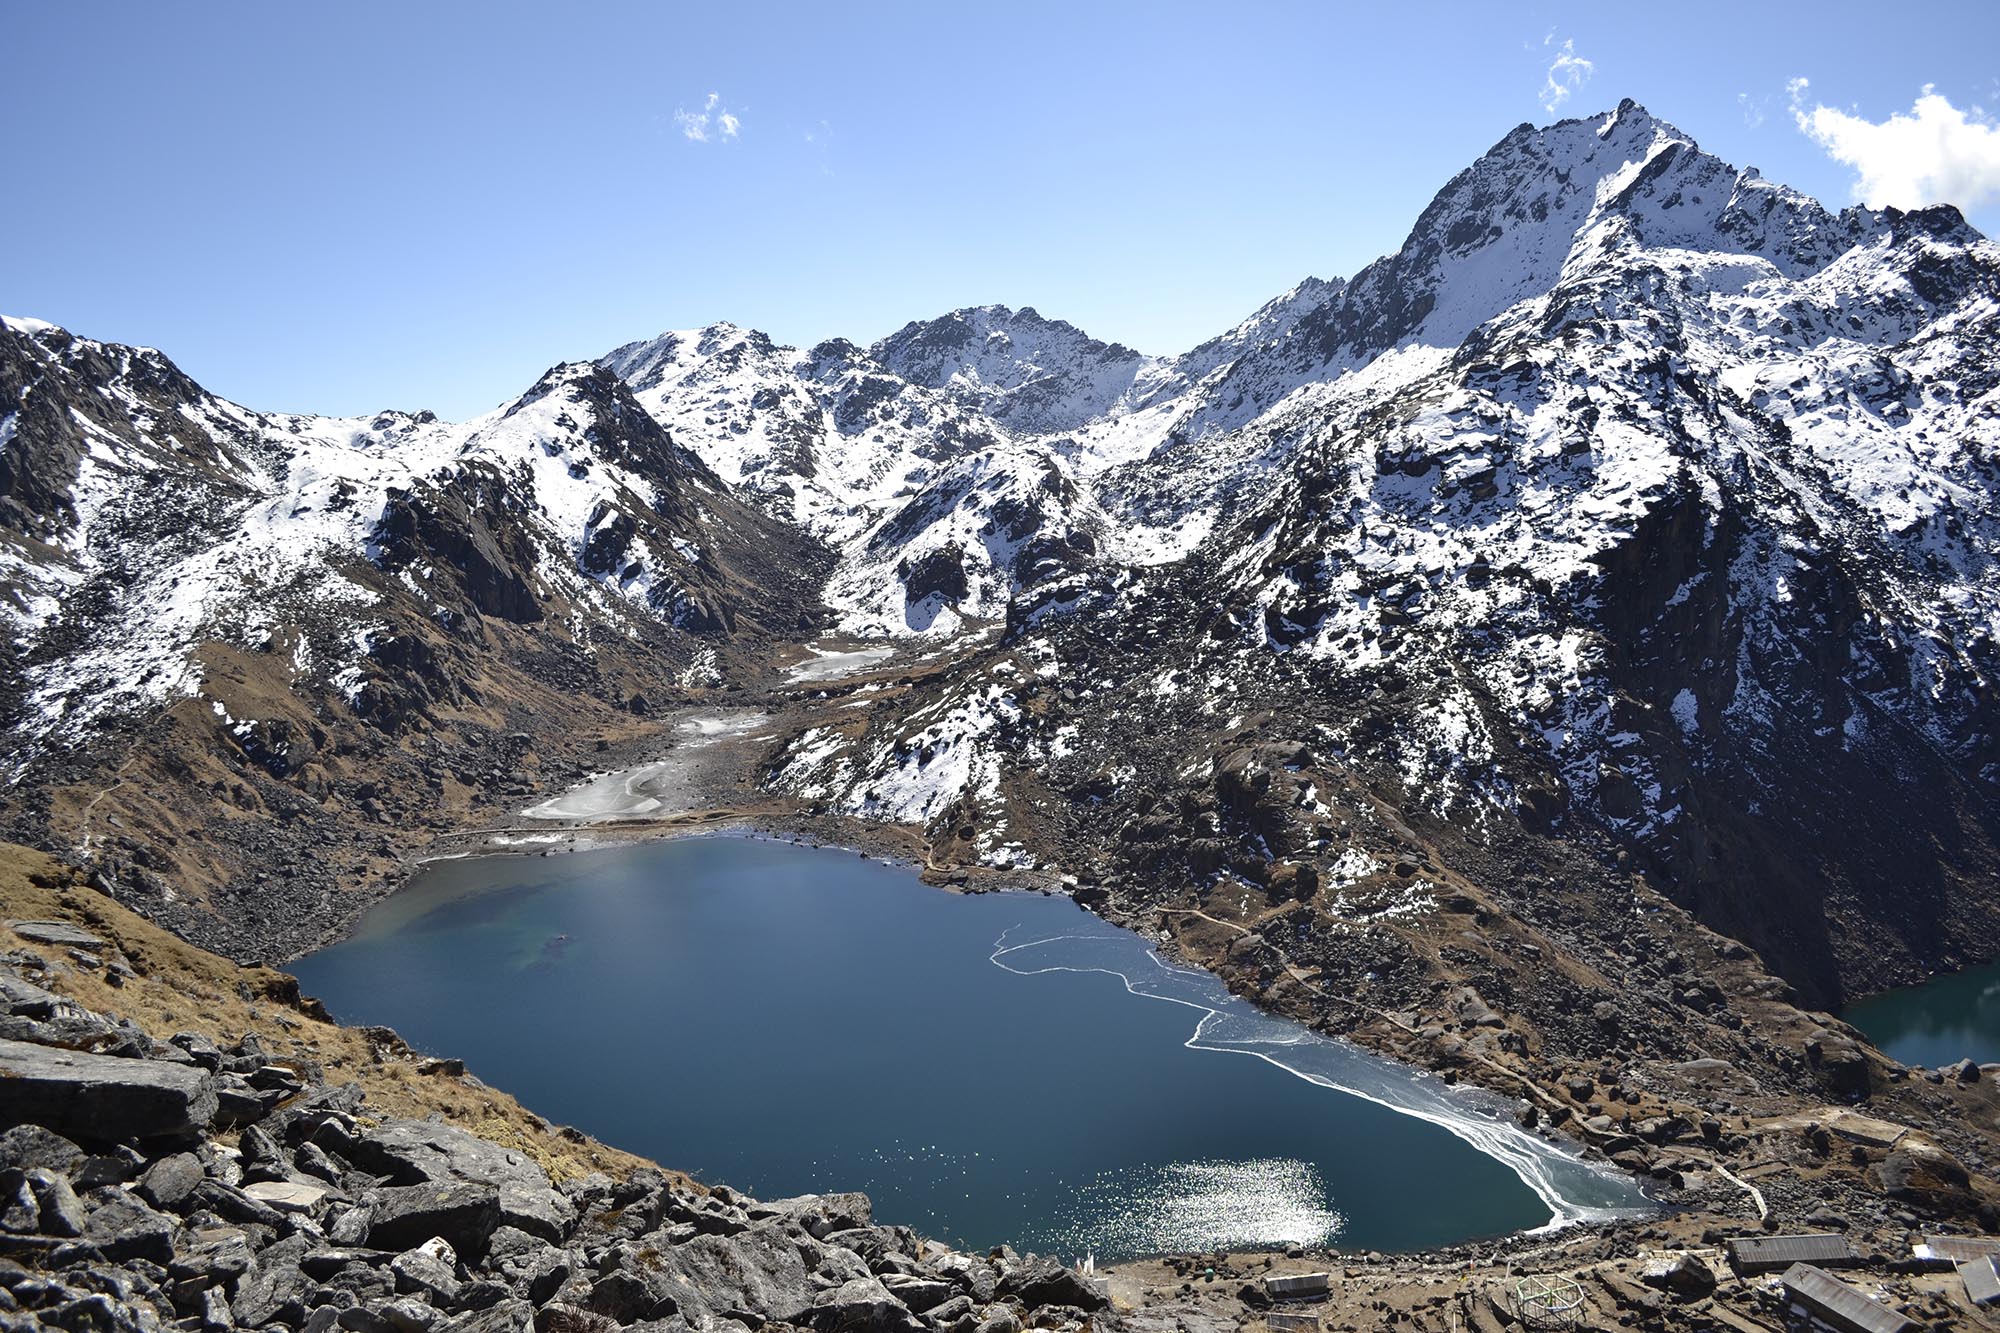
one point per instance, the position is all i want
(1034, 375)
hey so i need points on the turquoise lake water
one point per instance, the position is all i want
(990, 1068)
(1941, 1021)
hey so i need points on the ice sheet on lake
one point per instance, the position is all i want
(1574, 1190)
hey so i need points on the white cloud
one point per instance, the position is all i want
(1567, 72)
(1753, 109)
(1936, 154)
(713, 121)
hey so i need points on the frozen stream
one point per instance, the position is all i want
(657, 790)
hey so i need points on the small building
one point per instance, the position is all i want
(1955, 1249)
(1299, 1286)
(1982, 1280)
(1771, 1254)
(1280, 1321)
(1828, 1303)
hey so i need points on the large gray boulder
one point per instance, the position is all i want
(62, 1213)
(918, 1293)
(863, 1305)
(820, 1214)
(1683, 1275)
(757, 1274)
(213, 1254)
(409, 1152)
(408, 1215)
(101, 1098)
(168, 1182)
(430, 1270)
(972, 1275)
(28, 1146)
(120, 1227)
(1046, 1282)
(57, 933)
(274, 1289)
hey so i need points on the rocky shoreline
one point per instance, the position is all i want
(1639, 1096)
(1702, 1131)
(148, 1184)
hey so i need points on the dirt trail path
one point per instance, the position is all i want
(90, 806)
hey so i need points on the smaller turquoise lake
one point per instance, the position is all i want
(991, 1068)
(1944, 1020)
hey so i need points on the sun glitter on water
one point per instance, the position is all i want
(1188, 1207)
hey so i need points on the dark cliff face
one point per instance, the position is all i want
(57, 388)
(464, 526)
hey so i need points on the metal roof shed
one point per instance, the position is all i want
(1299, 1286)
(1836, 1305)
(1982, 1280)
(1958, 1249)
(1769, 1254)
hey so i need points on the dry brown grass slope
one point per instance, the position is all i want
(182, 988)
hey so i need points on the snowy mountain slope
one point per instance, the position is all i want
(822, 438)
(941, 515)
(152, 517)
(992, 526)
(1635, 504)
(1635, 498)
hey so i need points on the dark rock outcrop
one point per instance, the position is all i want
(100, 1098)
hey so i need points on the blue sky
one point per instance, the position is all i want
(342, 208)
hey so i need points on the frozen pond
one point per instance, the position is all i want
(825, 665)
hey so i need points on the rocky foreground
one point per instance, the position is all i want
(167, 1166)
(148, 1183)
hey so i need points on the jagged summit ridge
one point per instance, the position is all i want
(1037, 376)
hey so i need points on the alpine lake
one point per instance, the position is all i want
(1943, 1020)
(989, 1068)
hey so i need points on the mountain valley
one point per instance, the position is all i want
(1561, 656)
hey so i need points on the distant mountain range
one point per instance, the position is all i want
(1637, 506)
